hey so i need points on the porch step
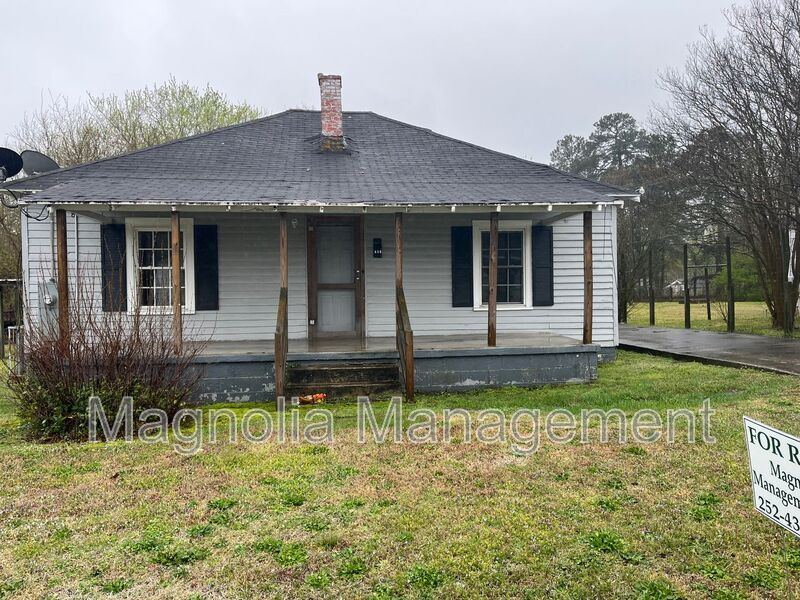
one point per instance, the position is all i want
(339, 380)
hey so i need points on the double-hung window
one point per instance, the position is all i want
(149, 258)
(513, 264)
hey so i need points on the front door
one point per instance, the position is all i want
(335, 277)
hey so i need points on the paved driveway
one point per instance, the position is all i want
(780, 355)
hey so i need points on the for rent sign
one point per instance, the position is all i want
(775, 471)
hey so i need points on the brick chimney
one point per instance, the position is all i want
(330, 90)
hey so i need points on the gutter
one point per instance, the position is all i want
(614, 200)
(314, 204)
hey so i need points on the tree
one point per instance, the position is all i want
(735, 111)
(621, 153)
(573, 154)
(107, 125)
(10, 254)
(617, 142)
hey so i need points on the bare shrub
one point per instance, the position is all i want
(105, 354)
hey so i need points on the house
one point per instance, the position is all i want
(323, 249)
(674, 289)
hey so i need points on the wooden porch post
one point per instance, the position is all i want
(493, 226)
(588, 275)
(398, 250)
(177, 311)
(283, 244)
(281, 328)
(63, 274)
(404, 335)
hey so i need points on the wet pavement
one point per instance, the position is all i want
(776, 354)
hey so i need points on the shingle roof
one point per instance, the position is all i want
(276, 160)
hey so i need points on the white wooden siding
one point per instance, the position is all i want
(427, 279)
(249, 274)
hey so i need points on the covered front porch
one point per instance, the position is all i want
(448, 362)
(270, 293)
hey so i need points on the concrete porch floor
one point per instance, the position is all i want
(244, 370)
(533, 339)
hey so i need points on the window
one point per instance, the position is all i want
(149, 255)
(154, 268)
(513, 264)
(510, 268)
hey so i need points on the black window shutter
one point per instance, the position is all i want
(461, 265)
(206, 268)
(114, 273)
(542, 265)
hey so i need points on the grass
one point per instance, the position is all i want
(421, 521)
(751, 317)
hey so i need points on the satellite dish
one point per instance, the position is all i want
(10, 163)
(35, 163)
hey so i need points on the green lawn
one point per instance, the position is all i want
(352, 520)
(751, 317)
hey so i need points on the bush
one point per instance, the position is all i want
(105, 354)
(746, 287)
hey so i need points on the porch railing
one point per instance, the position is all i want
(281, 343)
(405, 345)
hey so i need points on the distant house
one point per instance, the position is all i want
(674, 289)
(346, 240)
(697, 285)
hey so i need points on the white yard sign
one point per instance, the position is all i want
(775, 472)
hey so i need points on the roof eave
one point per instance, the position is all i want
(321, 205)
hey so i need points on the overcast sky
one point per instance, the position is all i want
(513, 76)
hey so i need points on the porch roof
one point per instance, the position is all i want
(277, 161)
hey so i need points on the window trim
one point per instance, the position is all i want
(479, 227)
(132, 227)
